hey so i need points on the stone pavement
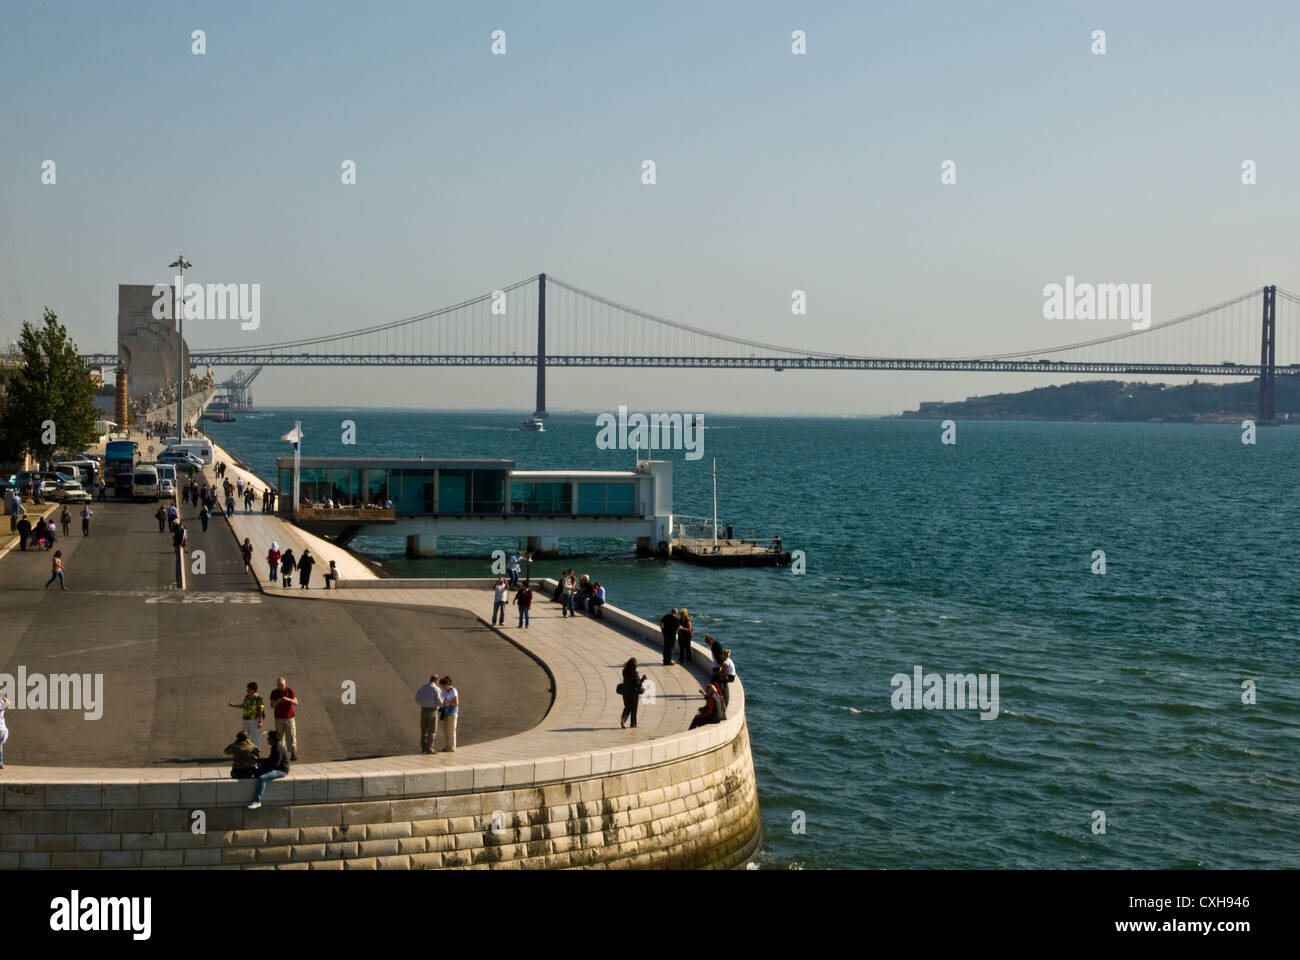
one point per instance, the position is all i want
(263, 528)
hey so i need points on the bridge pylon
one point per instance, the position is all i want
(1268, 356)
(541, 346)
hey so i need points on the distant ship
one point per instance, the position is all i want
(532, 423)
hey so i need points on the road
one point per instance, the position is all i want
(171, 660)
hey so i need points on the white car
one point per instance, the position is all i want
(72, 492)
(166, 488)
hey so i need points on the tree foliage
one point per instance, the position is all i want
(51, 388)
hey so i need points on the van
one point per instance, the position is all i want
(70, 470)
(199, 448)
(144, 482)
(166, 471)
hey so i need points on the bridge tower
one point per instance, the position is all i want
(541, 346)
(1268, 356)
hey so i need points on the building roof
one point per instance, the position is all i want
(393, 463)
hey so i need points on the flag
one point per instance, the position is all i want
(294, 436)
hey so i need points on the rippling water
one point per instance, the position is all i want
(1119, 692)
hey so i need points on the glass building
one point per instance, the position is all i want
(455, 488)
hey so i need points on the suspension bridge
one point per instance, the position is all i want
(542, 321)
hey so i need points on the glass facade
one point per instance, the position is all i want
(413, 490)
(541, 498)
(607, 498)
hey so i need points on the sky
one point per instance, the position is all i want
(775, 172)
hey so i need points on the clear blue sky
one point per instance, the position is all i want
(775, 172)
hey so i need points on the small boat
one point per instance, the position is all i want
(532, 423)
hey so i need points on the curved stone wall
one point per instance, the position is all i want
(685, 801)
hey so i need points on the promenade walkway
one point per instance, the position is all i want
(263, 528)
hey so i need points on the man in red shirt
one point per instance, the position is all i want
(283, 700)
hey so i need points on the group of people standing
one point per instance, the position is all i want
(246, 748)
(439, 704)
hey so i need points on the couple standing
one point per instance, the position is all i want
(438, 700)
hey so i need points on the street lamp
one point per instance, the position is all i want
(180, 263)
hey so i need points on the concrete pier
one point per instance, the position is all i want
(421, 545)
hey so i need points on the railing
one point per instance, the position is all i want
(366, 514)
(701, 528)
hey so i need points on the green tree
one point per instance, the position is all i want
(48, 401)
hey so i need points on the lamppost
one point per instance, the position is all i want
(181, 263)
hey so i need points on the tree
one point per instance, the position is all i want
(48, 402)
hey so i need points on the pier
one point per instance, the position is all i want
(423, 499)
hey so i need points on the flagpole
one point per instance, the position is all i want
(297, 456)
(715, 504)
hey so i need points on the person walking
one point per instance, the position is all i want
(287, 563)
(273, 560)
(230, 505)
(24, 531)
(512, 568)
(668, 625)
(275, 767)
(4, 728)
(172, 515)
(631, 689)
(246, 550)
(450, 714)
(239, 487)
(204, 516)
(429, 697)
(283, 702)
(103, 488)
(305, 563)
(65, 518)
(180, 536)
(50, 537)
(524, 600)
(253, 713)
(499, 591)
(57, 573)
(161, 517)
(685, 634)
(244, 765)
(86, 514)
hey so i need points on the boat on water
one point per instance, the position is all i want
(532, 423)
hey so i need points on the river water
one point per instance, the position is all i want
(1120, 694)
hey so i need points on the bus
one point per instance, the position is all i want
(119, 457)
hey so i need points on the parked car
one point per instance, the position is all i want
(166, 488)
(72, 492)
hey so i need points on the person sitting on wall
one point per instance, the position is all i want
(714, 709)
